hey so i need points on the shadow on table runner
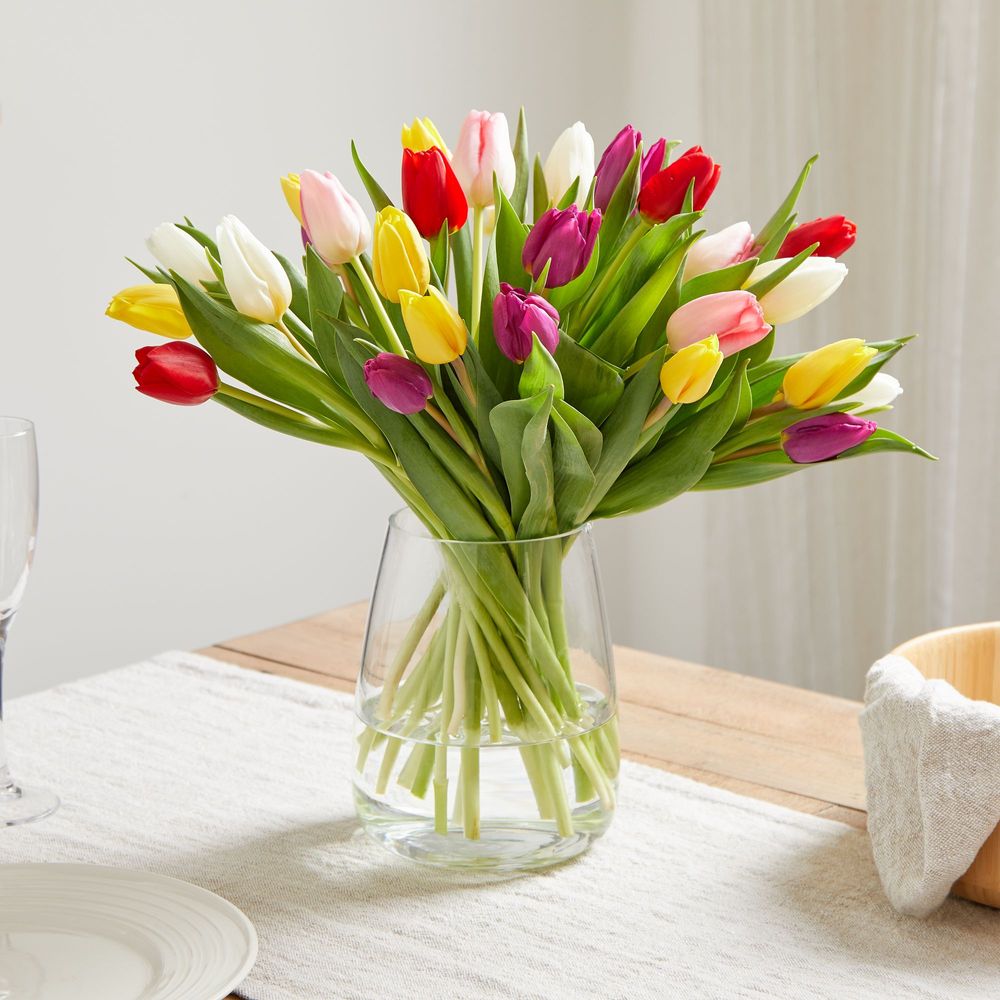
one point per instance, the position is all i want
(240, 782)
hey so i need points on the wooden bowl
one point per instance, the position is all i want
(968, 658)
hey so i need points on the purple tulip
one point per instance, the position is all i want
(398, 383)
(517, 315)
(827, 436)
(614, 160)
(652, 161)
(566, 236)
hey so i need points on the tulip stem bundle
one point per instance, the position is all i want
(583, 361)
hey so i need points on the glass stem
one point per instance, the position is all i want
(7, 785)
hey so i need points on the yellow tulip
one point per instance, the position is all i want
(290, 187)
(153, 308)
(437, 332)
(421, 135)
(399, 261)
(687, 375)
(822, 375)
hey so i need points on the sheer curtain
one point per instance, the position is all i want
(808, 579)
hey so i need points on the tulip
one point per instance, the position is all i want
(880, 392)
(687, 375)
(734, 317)
(431, 192)
(177, 373)
(153, 308)
(517, 315)
(571, 157)
(256, 282)
(652, 161)
(614, 161)
(179, 251)
(811, 283)
(713, 253)
(399, 260)
(565, 237)
(662, 195)
(398, 383)
(834, 234)
(422, 134)
(291, 188)
(826, 436)
(822, 375)
(338, 228)
(483, 150)
(437, 332)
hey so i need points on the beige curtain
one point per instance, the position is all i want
(808, 579)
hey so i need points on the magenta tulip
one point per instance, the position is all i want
(517, 315)
(734, 317)
(614, 160)
(820, 438)
(398, 383)
(652, 161)
(566, 236)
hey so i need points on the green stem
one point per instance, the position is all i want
(477, 270)
(383, 317)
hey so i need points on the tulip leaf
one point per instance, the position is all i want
(540, 372)
(592, 385)
(308, 430)
(539, 517)
(748, 471)
(786, 208)
(745, 404)
(572, 472)
(522, 166)
(539, 192)
(769, 428)
(487, 397)
(726, 279)
(378, 197)
(439, 257)
(203, 238)
(764, 285)
(565, 295)
(369, 300)
(300, 291)
(157, 277)
(622, 202)
(874, 366)
(886, 440)
(302, 334)
(511, 421)
(461, 252)
(498, 366)
(770, 250)
(569, 195)
(758, 353)
(588, 436)
(326, 296)
(509, 235)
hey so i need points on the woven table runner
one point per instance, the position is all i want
(239, 782)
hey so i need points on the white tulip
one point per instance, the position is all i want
(572, 156)
(256, 282)
(811, 283)
(881, 391)
(719, 250)
(179, 251)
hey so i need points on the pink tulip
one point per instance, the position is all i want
(333, 221)
(483, 150)
(734, 317)
(719, 250)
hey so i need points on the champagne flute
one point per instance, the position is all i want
(18, 525)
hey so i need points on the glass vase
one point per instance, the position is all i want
(487, 733)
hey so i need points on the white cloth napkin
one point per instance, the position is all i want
(932, 771)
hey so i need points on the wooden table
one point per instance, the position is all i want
(793, 747)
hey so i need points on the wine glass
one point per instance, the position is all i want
(18, 525)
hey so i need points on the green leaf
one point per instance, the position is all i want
(586, 433)
(758, 353)
(769, 428)
(510, 422)
(748, 471)
(440, 257)
(509, 235)
(203, 238)
(786, 208)
(307, 431)
(622, 201)
(539, 192)
(764, 285)
(503, 372)
(522, 166)
(727, 279)
(569, 196)
(770, 250)
(300, 291)
(572, 472)
(540, 372)
(461, 252)
(592, 385)
(539, 517)
(487, 397)
(886, 440)
(157, 277)
(875, 365)
(745, 405)
(378, 197)
(326, 296)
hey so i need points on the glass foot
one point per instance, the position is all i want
(24, 805)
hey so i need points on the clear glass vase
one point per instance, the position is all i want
(487, 732)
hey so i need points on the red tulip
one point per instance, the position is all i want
(663, 194)
(179, 372)
(834, 234)
(431, 192)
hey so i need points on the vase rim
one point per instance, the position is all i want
(407, 523)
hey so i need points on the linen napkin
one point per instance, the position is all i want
(932, 772)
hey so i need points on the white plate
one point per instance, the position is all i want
(84, 932)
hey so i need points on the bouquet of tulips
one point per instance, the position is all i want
(519, 347)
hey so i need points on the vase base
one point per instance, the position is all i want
(25, 805)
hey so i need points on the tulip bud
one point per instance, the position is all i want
(483, 150)
(178, 373)
(517, 315)
(826, 436)
(291, 188)
(821, 376)
(431, 192)
(719, 250)
(398, 258)
(811, 283)
(153, 308)
(571, 157)
(179, 251)
(422, 134)
(564, 236)
(256, 282)
(834, 234)
(652, 161)
(437, 332)
(687, 375)
(337, 227)
(734, 317)
(614, 161)
(662, 195)
(880, 392)
(398, 383)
